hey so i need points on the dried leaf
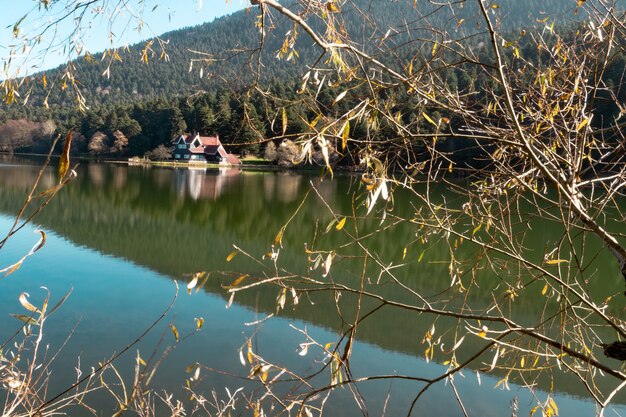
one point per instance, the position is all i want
(278, 240)
(556, 261)
(26, 319)
(281, 299)
(340, 96)
(26, 304)
(175, 331)
(11, 269)
(192, 284)
(232, 255)
(284, 121)
(64, 162)
(582, 124)
(429, 120)
(345, 134)
(237, 281)
(199, 323)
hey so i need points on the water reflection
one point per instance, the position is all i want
(181, 221)
(198, 184)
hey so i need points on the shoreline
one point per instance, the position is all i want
(248, 165)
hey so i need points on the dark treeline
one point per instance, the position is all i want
(139, 107)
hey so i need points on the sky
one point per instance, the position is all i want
(136, 21)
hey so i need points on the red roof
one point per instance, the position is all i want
(210, 140)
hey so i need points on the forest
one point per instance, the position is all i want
(190, 80)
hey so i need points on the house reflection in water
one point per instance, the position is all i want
(202, 184)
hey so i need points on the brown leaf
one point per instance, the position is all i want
(64, 163)
(175, 331)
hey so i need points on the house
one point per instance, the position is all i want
(202, 149)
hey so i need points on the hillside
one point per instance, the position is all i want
(199, 81)
(230, 45)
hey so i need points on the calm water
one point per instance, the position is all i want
(121, 236)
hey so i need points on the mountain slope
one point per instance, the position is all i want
(225, 50)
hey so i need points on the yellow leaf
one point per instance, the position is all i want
(556, 261)
(345, 134)
(64, 162)
(544, 290)
(435, 47)
(237, 281)
(199, 323)
(341, 224)
(535, 408)
(553, 406)
(314, 122)
(332, 7)
(175, 331)
(431, 121)
(231, 255)
(278, 240)
(249, 355)
(284, 121)
(44, 80)
(582, 124)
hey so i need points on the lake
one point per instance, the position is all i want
(121, 238)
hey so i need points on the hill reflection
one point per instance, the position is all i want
(177, 222)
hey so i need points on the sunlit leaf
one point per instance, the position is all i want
(284, 121)
(339, 97)
(192, 284)
(435, 48)
(64, 162)
(345, 134)
(281, 299)
(429, 120)
(556, 261)
(199, 323)
(327, 264)
(332, 7)
(582, 124)
(533, 410)
(25, 318)
(341, 224)
(278, 240)
(552, 405)
(304, 349)
(250, 353)
(11, 269)
(175, 331)
(232, 255)
(237, 281)
(26, 304)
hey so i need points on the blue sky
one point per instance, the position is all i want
(139, 20)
